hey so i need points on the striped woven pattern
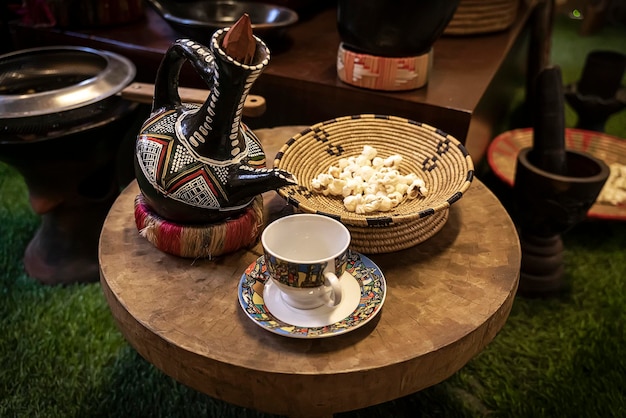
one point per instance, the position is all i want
(383, 73)
(482, 16)
(396, 237)
(440, 159)
(200, 241)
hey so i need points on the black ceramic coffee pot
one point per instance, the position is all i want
(202, 164)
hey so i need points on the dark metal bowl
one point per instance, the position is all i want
(45, 80)
(57, 90)
(199, 19)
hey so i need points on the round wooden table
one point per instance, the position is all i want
(446, 300)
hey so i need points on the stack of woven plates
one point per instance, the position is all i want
(439, 159)
(482, 16)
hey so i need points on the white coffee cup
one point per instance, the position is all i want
(306, 255)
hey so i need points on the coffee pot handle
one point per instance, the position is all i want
(166, 84)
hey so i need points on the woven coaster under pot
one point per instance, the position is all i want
(200, 241)
(438, 158)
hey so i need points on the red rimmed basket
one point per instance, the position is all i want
(503, 150)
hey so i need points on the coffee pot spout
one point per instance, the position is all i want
(247, 182)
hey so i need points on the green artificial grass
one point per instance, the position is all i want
(62, 355)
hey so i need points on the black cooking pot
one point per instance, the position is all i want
(399, 28)
(61, 127)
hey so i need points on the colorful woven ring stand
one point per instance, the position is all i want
(200, 241)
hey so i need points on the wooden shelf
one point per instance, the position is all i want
(471, 81)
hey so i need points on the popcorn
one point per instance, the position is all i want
(396, 198)
(334, 171)
(352, 201)
(401, 188)
(377, 162)
(385, 204)
(369, 183)
(363, 161)
(316, 185)
(614, 190)
(417, 188)
(369, 152)
(335, 187)
(365, 172)
(393, 161)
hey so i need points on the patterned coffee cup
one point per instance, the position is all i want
(306, 255)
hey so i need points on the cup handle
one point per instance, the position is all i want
(333, 281)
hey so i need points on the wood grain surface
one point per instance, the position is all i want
(446, 300)
(254, 105)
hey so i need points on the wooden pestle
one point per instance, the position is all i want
(549, 152)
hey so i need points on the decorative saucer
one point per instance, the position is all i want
(363, 286)
(321, 316)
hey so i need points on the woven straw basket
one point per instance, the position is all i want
(482, 16)
(439, 159)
